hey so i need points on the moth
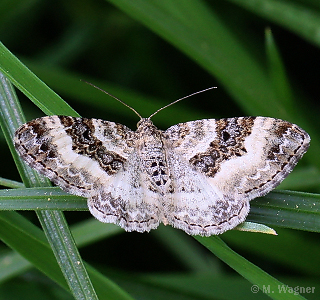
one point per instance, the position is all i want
(197, 176)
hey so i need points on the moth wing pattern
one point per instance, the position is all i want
(220, 165)
(198, 176)
(91, 158)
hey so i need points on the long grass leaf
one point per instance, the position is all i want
(37, 91)
(297, 17)
(260, 279)
(219, 52)
(53, 222)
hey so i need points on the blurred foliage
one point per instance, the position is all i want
(263, 55)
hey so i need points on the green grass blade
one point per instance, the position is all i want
(278, 75)
(279, 249)
(68, 84)
(65, 249)
(11, 183)
(255, 275)
(37, 91)
(91, 230)
(66, 252)
(29, 241)
(11, 117)
(52, 222)
(203, 36)
(12, 264)
(306, 178)
(84, 233)
(207, 286)
(288, 209)
(297, 17)
(199, 32)
(285, 95)
(12, 8)
(49, 198)
(50, 103)
(175, 240)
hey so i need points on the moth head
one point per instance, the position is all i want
(145, 122)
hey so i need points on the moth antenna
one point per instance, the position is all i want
(174, 102)
(114, 97)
